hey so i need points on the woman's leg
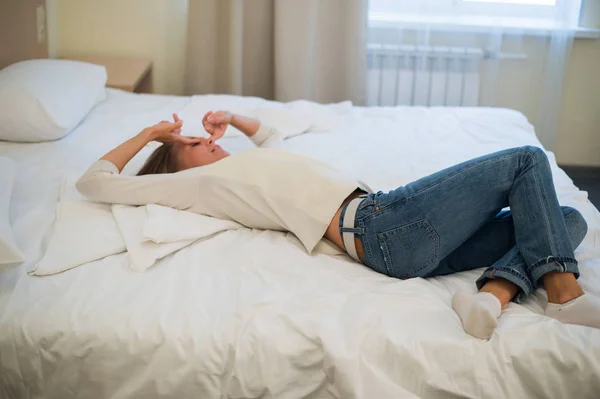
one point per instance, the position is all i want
(409, 231)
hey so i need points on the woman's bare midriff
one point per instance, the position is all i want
(333, 231)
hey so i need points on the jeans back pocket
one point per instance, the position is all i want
(410, 250)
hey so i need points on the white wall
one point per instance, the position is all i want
(151, 29)
(156, 29)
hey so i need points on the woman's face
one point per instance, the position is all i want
(198, 154)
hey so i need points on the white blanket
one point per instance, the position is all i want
(249, 314)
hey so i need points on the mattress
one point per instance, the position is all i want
(248, 314)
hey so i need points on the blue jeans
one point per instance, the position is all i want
(451, 221)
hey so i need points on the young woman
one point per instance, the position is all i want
(444, 223)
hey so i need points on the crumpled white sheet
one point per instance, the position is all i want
(248, 314)
(87, 231)
(152, 232)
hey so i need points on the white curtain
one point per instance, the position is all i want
(516, 54)
(318, 50)
(278, 49)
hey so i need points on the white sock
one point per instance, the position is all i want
(479, 312)
(583, 310)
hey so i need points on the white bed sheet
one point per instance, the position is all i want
(248, 314)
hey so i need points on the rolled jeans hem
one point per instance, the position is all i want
(549, 264)
(511, 275)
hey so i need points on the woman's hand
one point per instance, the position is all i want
(169, 132)
(216, 123)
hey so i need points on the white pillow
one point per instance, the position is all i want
(43, 100)
(9, 253)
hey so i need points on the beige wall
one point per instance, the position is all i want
(578, 140)
(52, 27)
(156, 29)
(152, 29)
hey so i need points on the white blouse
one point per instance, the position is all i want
(263, 188)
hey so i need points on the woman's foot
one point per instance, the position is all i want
(561, 287)
(583, 310)
(567, 302)
(478, 312)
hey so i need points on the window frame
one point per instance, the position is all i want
(479, 13)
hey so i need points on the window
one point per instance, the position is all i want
(535, 14)
(532, 2)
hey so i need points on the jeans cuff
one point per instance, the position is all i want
(563, 264)
(521, 281)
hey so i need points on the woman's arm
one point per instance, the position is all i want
(248, 126)
(261, 135)
(104, 183)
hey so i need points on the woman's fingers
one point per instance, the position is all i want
(206, 116)
(175, 117)
(206, 124)
(168, 126)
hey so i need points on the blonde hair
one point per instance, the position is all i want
(162, 160)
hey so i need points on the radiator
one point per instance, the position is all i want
(423, 75)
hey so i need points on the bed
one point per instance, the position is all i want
(248, 313)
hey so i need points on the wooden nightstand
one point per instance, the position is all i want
(129, 74)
